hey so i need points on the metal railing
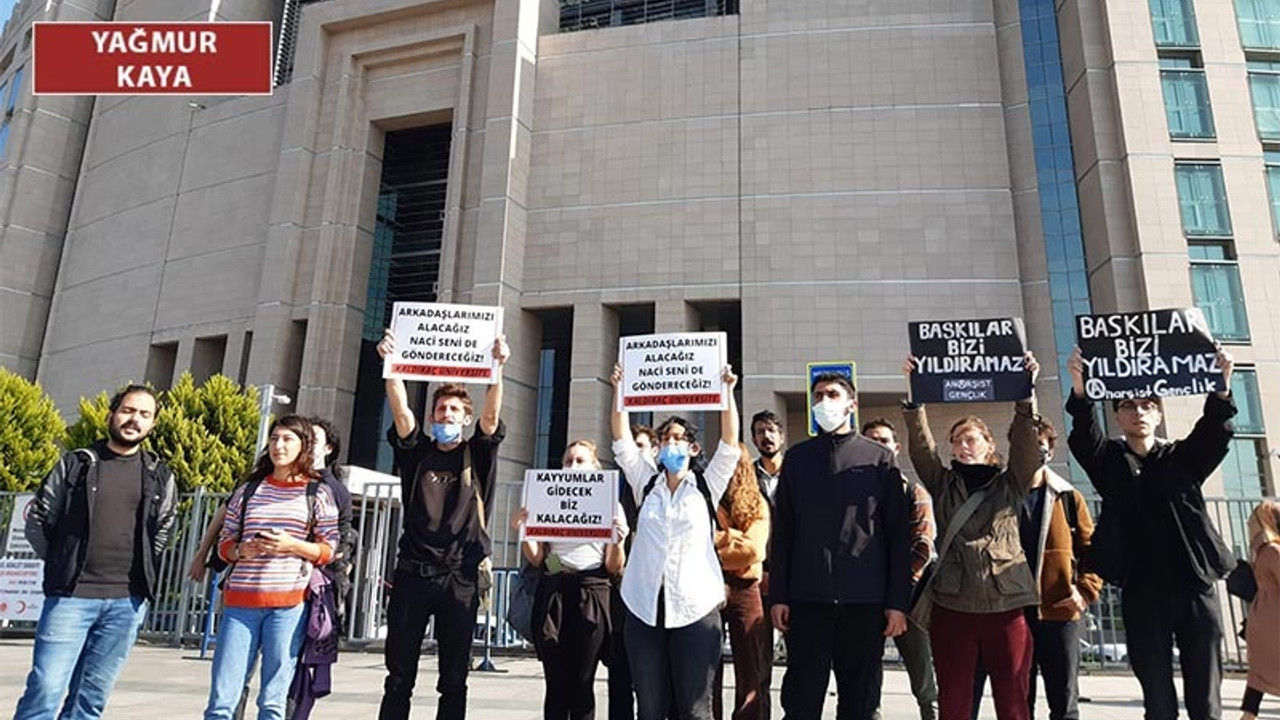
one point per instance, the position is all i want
(186, 611)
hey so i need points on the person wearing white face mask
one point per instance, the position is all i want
(840, 553)
(673, 587)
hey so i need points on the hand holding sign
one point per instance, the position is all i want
(444, 342)
(673, 370)
(968, 360)
(1153, 353)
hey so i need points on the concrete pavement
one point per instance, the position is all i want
(163, 682)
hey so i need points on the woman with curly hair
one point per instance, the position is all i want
(741, 538)
(1264, 611)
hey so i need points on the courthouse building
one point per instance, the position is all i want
(806, 175)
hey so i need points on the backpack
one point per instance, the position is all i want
(703, 489)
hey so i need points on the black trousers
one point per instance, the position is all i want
(622, 704)
(415, 599)
(1155, 618)
(846, 638)
(571, 655)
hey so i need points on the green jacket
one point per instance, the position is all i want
(985, 569)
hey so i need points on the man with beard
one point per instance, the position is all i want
(99, 521)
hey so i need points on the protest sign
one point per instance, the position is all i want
(675, 370)
(969, 361)
(450, 343)
(569, 504)
(1158, 353)
(848, 369)
(16, 543)
(21, 593)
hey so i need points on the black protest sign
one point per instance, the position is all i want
(1158, 353)
(969, 361)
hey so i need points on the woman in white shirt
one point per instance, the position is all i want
(571, 622)
(673, 587)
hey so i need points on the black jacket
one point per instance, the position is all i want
(1154, 528)
(61, 516)
(841, 530)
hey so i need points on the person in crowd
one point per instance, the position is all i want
(622, 696)
(280, 523)
(1263, 628)
(983, 582)
(770, 440)
(673, 587)
(446, 482)
(742, 538)
(913, 645)
(1056, 532)
(100, 521)
(839, 580)
(571, 614)
(1156, 539)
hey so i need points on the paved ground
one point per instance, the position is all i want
(169, 683)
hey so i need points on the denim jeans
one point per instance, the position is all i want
(278, 633)
(81, 644)
(674, 668)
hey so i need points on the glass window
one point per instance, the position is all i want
(1217, 291)
(1174, 22)
(1186, 104)
(14, 88)
(4, 139)
(1264, 88)
(1273, 191)
(1244, 389)
(1242, 470)
(1202, 198)
(1259, 23)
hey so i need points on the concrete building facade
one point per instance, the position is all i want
(806, 175)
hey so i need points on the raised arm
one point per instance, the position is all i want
(730, 423)
(493, 396)
(920, 446)
(1087, 441)
(1206, 447)
(619, 420)
(397, 396)
(720, 470)
(1024, 445)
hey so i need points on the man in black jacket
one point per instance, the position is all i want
(99, 521)
(1154, 538)
(840, 578)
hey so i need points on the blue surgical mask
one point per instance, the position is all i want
(673, 457)
(446, 433)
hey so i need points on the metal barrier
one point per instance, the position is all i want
(183, 607)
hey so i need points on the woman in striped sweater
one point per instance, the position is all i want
(280, 524)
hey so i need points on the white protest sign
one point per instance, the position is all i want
(16, 542)
(675, 370)
(569, 504)
(21, 593)
(438, 341)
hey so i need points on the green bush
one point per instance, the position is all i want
(206, 434)
(31, 433)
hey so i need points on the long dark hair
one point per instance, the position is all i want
(331, 437)
(302, 465)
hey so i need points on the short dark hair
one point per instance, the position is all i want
(690, 430)
(638, 430)
(879, 422)
(1044, 431)
(834, 377)
(765, 416)
(128, 390)
(1115, 404)
(331, 437)
(454, 390)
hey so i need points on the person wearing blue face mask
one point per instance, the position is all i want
(673, 587)
(445, 483)
(840, 560)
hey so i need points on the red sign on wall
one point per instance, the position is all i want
(152, 58)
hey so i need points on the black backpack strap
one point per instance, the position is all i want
(700, 481)
(313, 490)
(1071, 511)
(250, 488)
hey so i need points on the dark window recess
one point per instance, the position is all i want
(552, 421)
(590, 14)
(208, 357)
(161, 360)
(405, 267)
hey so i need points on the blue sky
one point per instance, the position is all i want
(6, 8)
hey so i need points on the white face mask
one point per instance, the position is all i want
(830, 414)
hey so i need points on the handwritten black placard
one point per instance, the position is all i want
(969, 361)
(1158, 353)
